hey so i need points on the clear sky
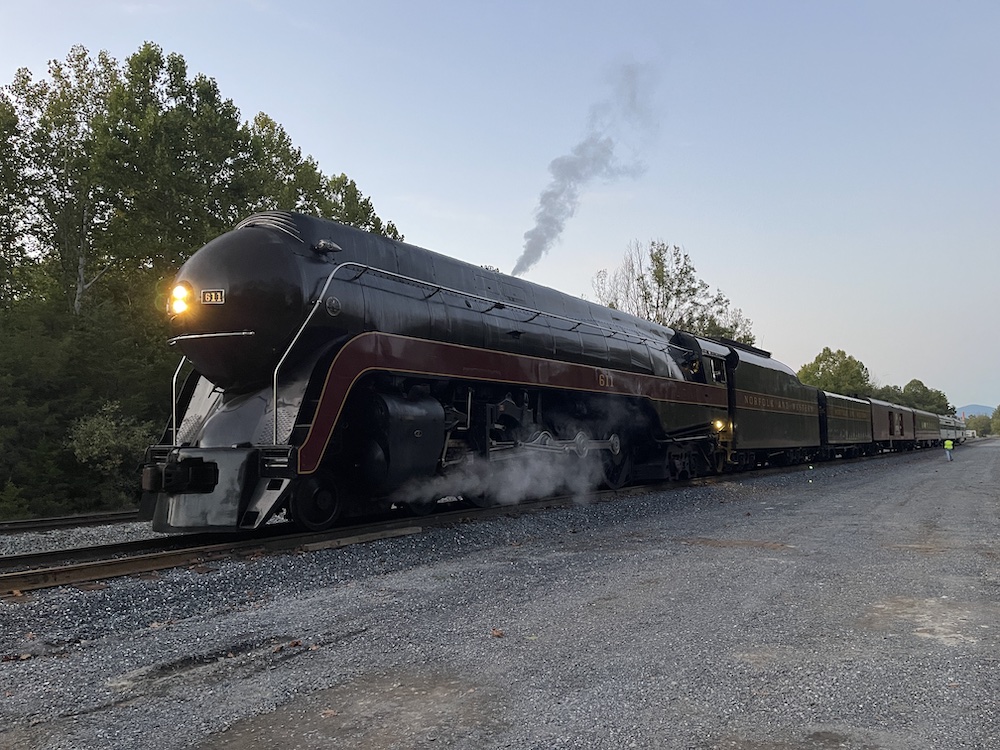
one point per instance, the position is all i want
(832, 167)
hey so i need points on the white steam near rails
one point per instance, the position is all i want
(528, 476)
(625, 113)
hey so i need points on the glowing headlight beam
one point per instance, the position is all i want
(178, 298)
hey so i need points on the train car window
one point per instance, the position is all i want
(718, 370)
(892, 423)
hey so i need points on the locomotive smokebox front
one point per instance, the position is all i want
(235, 306)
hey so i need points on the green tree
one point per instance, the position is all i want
(113, 443)
(995, 422)
(131, 168)
(918, 396)
(838, 372)
(982, 424)
(351, 207)
(658, 282)
(891, 393)
(12, 504)
(277, 175)
(56, 368)
(66, 210)
(169, 150)
(111, 176)
(13, 202)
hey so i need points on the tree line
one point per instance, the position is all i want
(111, 175)
(841, 373)
(984, 425)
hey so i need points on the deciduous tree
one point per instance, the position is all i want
(168, 148)
(891, 393)
(278, 175)
(13, 201)
(658, 282)
(66, 208)
(838, 372)
(918, 396)
(982, 424)
(110, 177)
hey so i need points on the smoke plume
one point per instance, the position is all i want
(623, 113)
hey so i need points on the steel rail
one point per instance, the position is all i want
(14, 584)
(73, 555)
(19, 525)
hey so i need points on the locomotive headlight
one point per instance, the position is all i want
(719, 424)
(179, 298)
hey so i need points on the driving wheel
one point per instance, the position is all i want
(316, 502)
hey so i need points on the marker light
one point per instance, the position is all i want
(178, 299)
(719, 424)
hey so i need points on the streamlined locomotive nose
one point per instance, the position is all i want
(235, 306)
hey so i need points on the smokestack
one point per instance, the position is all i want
(593, 157)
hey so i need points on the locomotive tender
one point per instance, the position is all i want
(329, 369)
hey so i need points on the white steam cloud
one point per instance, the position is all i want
(624, 112)
(528, 476)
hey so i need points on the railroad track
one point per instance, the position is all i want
(34, 571)
(23, 573)
(64, 567)
(66, 522)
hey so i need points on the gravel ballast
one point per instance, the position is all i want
(28, 542)
(853, 605)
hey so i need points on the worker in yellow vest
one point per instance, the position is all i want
(948, 446)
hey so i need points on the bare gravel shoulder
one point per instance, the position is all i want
(848, 606)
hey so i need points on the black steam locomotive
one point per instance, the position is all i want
(326, 370)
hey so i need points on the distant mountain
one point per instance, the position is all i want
(972, 410)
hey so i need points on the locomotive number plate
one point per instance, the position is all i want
(213, 296)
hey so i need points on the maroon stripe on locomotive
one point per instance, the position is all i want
(374, 351)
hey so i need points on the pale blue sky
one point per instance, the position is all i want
(831, 166)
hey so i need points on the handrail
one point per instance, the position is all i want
(288, 350)
(362, 269)
(220, 335)
(493, 304)
(173, 398)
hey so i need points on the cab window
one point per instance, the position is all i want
(718, 370)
